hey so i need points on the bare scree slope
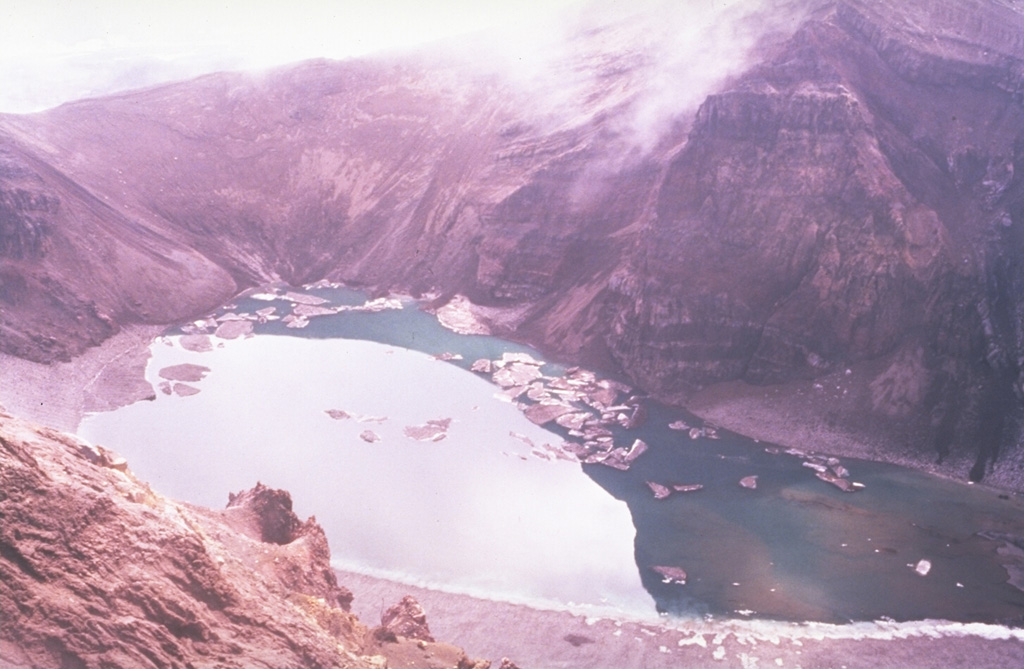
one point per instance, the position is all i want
(845, 204)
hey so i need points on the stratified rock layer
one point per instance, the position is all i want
(851, 200)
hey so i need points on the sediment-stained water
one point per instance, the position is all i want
(351, 412)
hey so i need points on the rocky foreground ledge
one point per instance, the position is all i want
(98, 570)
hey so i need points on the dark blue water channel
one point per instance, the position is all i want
(908, 546)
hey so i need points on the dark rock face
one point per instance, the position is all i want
(278, 524)
(779, 246)
(851, 200)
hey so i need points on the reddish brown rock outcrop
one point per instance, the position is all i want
(97, 570)
(266, 514)
(404, 619)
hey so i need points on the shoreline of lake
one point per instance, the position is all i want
(103, 378)
(465, 614)
(545, 638)
(783, 419)
(407, 349)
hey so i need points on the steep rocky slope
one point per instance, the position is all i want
(75, 269)
(840, 213)
(97, 570)
(853, 199)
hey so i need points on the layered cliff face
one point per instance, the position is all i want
(97, 570)
(851, 200)
(846, 197)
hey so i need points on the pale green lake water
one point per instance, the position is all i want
(478, 513)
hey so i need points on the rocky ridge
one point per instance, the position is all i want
(98, 570)
(848, 201)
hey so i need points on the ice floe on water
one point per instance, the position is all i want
(303, 307)
(432, 430)
(460, 316)
(369, 436)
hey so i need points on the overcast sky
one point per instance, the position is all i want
(52, 51)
